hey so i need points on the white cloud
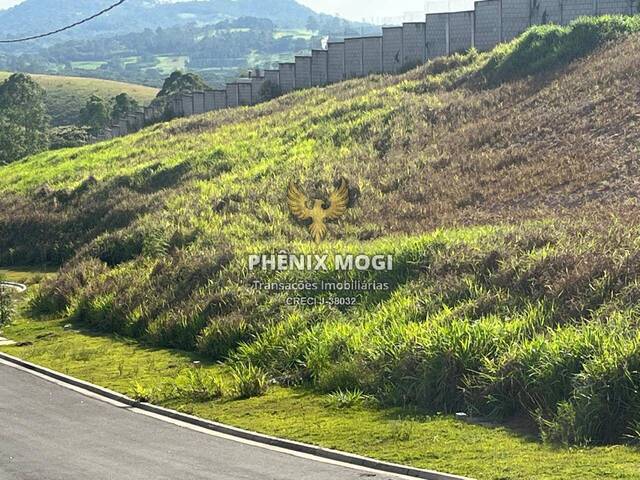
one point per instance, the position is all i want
(9, 3)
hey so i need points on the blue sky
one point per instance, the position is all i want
(353, 9)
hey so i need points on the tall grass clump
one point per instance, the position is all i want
(6, 305)
(248, 381)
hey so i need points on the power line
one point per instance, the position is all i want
(68, 27)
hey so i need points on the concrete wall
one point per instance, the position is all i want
(336, 62)
(123, 126)
(437, 25)
(198, 103)
(244, 93)
(256, 88)
(372, 55)
(148, 116)
(287, 77)
(319, 67)
(461, 25)
(392, 52)
(219, 99)
(187, 105)
(516, 18)
(414, 39)
(233, 95)
(272, 76)
(209, 101)
(626, 7)
(353, 50)
(303, 72)
(487, 24)
(544, 12)
(572, 9)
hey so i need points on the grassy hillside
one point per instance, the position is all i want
(508, 202)
(67, 95)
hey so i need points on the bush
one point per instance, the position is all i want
(249, 381)
(544, 47)
(6, 306)
(269, 91)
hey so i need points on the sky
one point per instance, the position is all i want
(351, 9)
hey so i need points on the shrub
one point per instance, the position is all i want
(249, 381)
(6, 306)
(544, 47)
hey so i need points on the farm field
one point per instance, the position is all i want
(67, 95)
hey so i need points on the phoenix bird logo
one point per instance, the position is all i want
(318, 214)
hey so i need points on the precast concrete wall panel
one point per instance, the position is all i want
(209, 101)
(516, 18)
(461, 25)
(608, 7)
(572, 9)
(233, 95)
(123, 126)
(187, 105)
(437, 34)
(392, 52)
(487, 25)
(256, 89)
(336, 62)
(140, 119)
(272, 76)
(544, 12)
(353, 50)
(303, 72)
(198, 103)
(148, 115)
(220, 99)
(372, 55)
(414, 41)
(176, 106)
(287, 77)
(319, 68)
(244, 93)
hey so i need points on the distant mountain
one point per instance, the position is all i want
(35, 16)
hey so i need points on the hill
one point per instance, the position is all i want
(35, 16)
(504, 185)
(67, 95)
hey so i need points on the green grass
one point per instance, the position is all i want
(393, 434)
(67, 95)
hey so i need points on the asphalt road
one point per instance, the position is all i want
(48, 432)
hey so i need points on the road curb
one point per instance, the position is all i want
(325, 453)
(19, 287)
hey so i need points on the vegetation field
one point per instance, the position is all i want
(503, 185)
(402, 435)
(67, 95)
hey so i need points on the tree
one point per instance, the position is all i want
(23, 118)
(269, 91)
(179, 82)
(123, 104)
(95, 114)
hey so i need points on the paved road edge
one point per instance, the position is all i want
(325, 453)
